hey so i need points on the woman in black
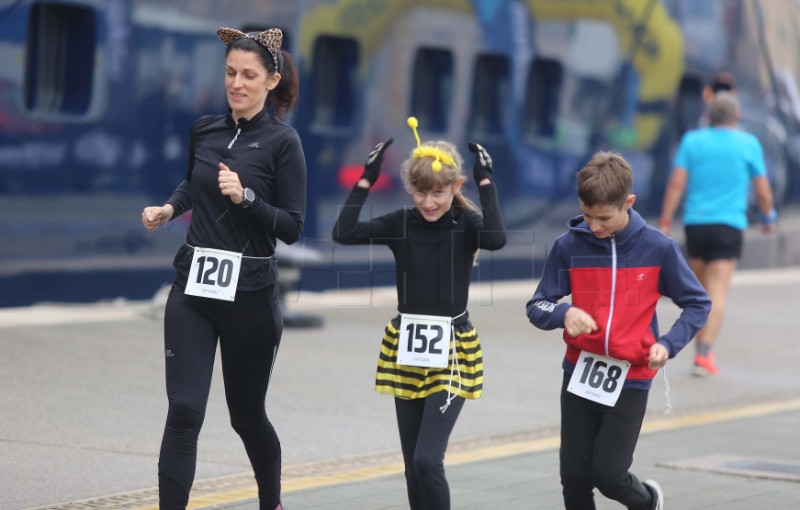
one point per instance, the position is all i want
(246, 187)
(430, 358)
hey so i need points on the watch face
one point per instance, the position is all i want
(249, 195)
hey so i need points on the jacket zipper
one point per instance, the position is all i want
(238, 130)
(613, 289)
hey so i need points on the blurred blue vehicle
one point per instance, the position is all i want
(97, 97)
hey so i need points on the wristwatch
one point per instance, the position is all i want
(248, 197)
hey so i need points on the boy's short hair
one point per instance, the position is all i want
(724, 109)
(607, 179)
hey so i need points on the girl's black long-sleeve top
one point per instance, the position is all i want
(268, 157)
(434, 260)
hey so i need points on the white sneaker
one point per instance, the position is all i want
(657, 492)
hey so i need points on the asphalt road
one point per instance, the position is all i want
(83, 403)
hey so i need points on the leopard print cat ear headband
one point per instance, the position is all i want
(270, 38)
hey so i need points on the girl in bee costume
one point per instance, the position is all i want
(430, 358)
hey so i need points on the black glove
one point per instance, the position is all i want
(482, 169)
(372, 168)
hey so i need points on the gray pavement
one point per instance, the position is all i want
(760, 471)
(83, 409)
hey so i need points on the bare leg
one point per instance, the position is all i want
(698, 267)
(716, 278)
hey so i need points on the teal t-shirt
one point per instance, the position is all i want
(720, 162)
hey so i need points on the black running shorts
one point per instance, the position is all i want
(713, 242)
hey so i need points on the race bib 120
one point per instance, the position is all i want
(214, 274)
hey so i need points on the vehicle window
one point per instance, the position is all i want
(60, 59)
(491, 95)
(542, 97)
(432, 88)
(335, 81)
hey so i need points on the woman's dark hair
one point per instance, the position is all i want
(282, 99)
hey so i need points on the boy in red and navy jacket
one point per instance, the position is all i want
(616, 268)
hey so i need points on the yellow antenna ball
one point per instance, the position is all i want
(412, 123)
(436, 166)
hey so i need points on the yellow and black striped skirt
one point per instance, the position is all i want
(464, 380)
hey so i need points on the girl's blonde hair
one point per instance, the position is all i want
(417, 172)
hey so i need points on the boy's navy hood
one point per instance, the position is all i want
(635, 224)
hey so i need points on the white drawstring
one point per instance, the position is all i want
(668, 405)
(453, 367)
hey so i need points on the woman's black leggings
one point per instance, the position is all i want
(424, 433)
(249, 332)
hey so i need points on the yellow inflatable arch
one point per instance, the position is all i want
(367, 21)
(657, 55)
